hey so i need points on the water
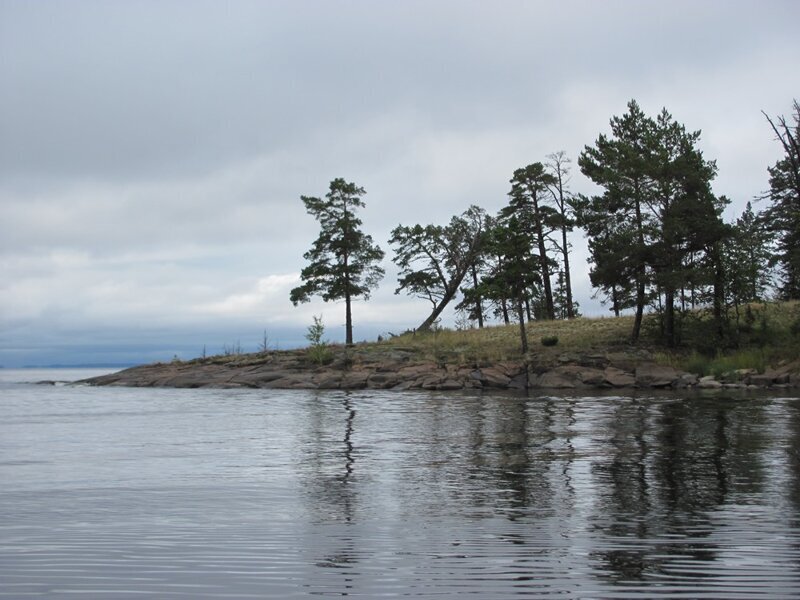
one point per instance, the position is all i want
(136, 493)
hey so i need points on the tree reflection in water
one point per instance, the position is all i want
(629, 487)
(328, 473)
(671, 466)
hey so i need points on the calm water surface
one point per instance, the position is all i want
(136, 493)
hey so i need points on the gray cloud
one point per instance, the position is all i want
(152, 154)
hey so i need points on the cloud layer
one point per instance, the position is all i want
(152, 155)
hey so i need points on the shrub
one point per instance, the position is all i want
(550, 340)
(318, 352)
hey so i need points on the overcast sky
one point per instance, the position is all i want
(153, 154)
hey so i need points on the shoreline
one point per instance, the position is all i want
(399, 370)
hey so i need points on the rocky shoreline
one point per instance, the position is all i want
(400, 370)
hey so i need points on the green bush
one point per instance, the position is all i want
(550, 340)
(318, 352)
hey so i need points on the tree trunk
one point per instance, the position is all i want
(550, 311)
(428, 323)
(348, 320)
(567, 278)
(669, 316)
(348, 315)
(640, 272)
(719, 292)
(450, 292)
(637, 320)
(523, 334)
(504, 309)
(478, 303)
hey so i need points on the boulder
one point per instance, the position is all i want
(654, 375)
(618, 378)
(591, 376)
(291, 382)
(764, 380)
(383, 380)
(519, 382)
(709, 383)
(354, 380)
(329, 381)
(493, 377)
(554, 379)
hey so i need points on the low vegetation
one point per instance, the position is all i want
(760, 335)
(756, 337)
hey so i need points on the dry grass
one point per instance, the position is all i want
(502, 342)
(767, 331)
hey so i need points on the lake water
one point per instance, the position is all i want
(137, 493)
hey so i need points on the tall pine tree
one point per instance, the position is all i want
(783, 215)
(658, 203)
(343, 261)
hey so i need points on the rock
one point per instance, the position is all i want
(555, 380)
(708, 383)
(597, 361)
(744, 373)
(329, 381)
(653, 375)
(493, 377)
(764, 380)
(792, 368)
(354, 380)
(618, 378)
(429, 383)
(591, 376)
(519, 382)
(394, 370)
(383, 380)
(782, 378)
(291, 382)
(450, 384)
(258, 378)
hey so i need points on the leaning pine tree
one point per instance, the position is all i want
(343, 261)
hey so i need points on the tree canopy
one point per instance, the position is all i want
(655, 236)
(434, 260)
(657, 212)
(783, 215)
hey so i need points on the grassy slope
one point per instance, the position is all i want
(765, 335)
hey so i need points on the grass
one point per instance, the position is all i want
(501, 342)
(764, 335)
(717, 365)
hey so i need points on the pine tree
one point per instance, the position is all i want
(343, 261)
(564, 201)
(657, 215)
(529, 186)
(783, 215)
(434, 260)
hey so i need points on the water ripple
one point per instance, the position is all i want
(208, 494)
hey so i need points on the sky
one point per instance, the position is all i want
(153, 154)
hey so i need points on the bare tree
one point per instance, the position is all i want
(558, 165)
